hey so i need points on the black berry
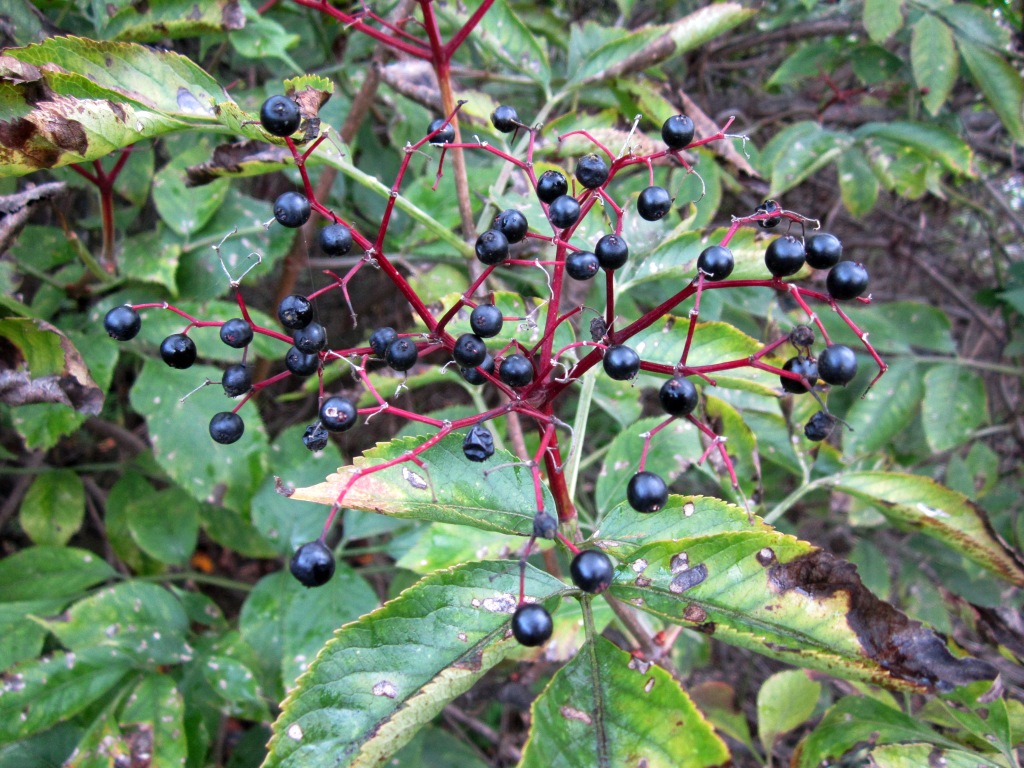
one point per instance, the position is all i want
(716, 262)
(653, 203)
(846, 281)
(295, 312)
(237, 380)
(445, 131)
(837, 365)
(531, 625)
(236, 333)
(311, 339)
(469, 350)
(677, 131)
(486, 320)
(505, 119)
(291, 209)
(401, 354)
(178, 351)
(544, 525)
(312, 564)
(122, 323)
(280, 116)
(611, 251)
(564, 211)
(512, 224)
(621, 362)
(819, 426)
(315, 437)
(769, 207)
(301, 363)
(823, 250)
(591, 171)
(551, 185)
(591, 571)
(678, 396)
(784, 256)
(515, 371)
(226, 427)
(478, 444)
(335, 240)
(492, 247)
(337, 414)
(646, 492)
(802, 366)
(582, 265)
(380, 339)
(473, 375)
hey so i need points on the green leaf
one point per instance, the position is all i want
(183, 208)
(53, 507)
(156, 711)
(455, 491)
(385, 676)
(785, 700)
(934, 61)
(807, 61)
(600, 710)
(798, 152)
(39, 346)
(442, 546)
(954, 405)
(501, 33)
(46, 750)
(885, 410)
(165, 525)
(161, 19)
(236, 685)
(1000, 82)
(934, 142)
(977, 24)
(921, 504)
(263, 38)
(437, 748)
(45, 572)
(882, 18)
(41, 693)
(916, 755)
(741, 445)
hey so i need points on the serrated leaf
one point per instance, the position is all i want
(923, 505)
(978, 24)
(934, 61)
(503, 34)
(858, 184)
(45, 572)
(598, 710)
(799, 151)
(784, 701)
(383, 677)
(153, 717)
(885, 410)
(882, 18)
(934, 142)
(53, 507)
(456, 492)
(437, 748)
(158, 20)
(954, 405)
(1000, 82)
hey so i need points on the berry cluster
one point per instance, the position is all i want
(530, 379)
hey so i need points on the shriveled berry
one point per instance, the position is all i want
(716, 262)
(621, 362)
(592, 571)
(226, 427)
(380, 339)
(338, 414)
(178, 351)
(492, 247)
(237, 380)
(236, 333)
(315, 437)
(312, 564)
(401, 354)
(445, 131)
(581, 265)
(280, 116)
(678, 396)
(784, 256)
(335, 240)
(564, 211)
(505, 119)
(591, 171)
(769, 207)
(544, 525)
(515, 371)
(677, 131)
(478, 445)
(474, 376)
(646, 492)
(802, 366)
(122, 323)
(295, 312)
(486, 320)
(802, 337)
(653, 203)
(469, 350)
(837, 365)
(291, 209)
(819, 426)
(532, 625)
(612, 251)
(301, 363)
(551, 185)
(823, 250)
(846, 281)
(311, 339)
(512, 224)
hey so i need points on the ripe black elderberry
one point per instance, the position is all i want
(280, 116)
(237, 380)
(311, 339)
(612, 251)
(846, 281)
(677, 131)
(769, 206)
(551, 185)
(646, 492)
(823, 250)
(469, 351)
(837, 365)
(122, 323)
(236, 333)
(564, 211)
(312, 564)
(532, 625)
(445, 131)
(337, 414)
(653, 203)
(478, 445)
(784, 256)
(591, 571)
(492, 247)
(291, 209)
(335, 240)
(301, 363)
(678, 396)
(621, 362)
(582, 265)
(486, 320)
(515, 371)
(505, 119)
(512, 224)
(802, 366)
(295, 312)
(380, 339)
(315, 437)
(819, 426)
(226, 427)
(473, 375)
(591, 171)
(401, 354)
(716, 262)
(178, 351)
